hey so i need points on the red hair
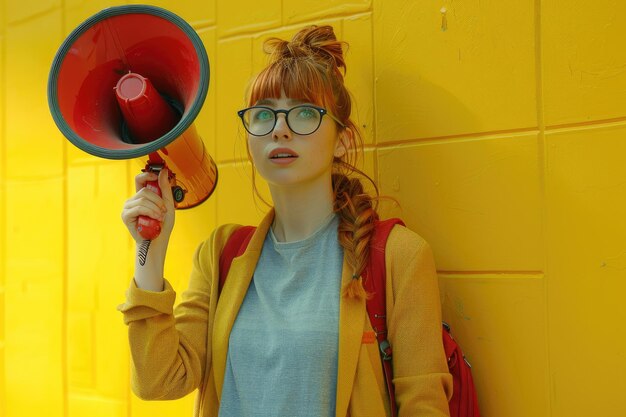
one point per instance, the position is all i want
(311, 67)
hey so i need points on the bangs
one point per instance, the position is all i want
(300, 79)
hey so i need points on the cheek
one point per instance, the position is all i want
(321, 157)
(253, 149)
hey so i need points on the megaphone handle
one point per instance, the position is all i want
(147, 227)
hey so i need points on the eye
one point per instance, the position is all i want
(306, 113)
(263, 115)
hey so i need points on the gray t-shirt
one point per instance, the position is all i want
(282, 354)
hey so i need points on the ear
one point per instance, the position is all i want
(343, 142)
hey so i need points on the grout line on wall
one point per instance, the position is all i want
(203, 24)
(65, 245)
(214, 149)
(374, 144)
(250, 32)
(492, 274)
(316, 17)
(27, 179)
(253, 31)
(282, 12)
(34, 16)
(232, 162)
(459, 138)
(3, 161)
(542, 156)
(130, 189)
(587, 124)
(3, 202)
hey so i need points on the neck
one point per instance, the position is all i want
(300, 210)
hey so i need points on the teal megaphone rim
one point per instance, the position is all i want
(144, 149)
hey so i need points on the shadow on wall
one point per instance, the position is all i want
(411, 108)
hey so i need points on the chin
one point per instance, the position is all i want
(279, 181)
(292, 176)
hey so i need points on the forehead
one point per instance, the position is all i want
(282, 101)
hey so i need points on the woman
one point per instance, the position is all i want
(287, 335)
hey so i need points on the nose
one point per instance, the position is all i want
(281, 129)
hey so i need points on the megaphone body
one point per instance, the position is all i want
(128, 83)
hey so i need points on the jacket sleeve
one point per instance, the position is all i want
(422, 382)
(168, 346)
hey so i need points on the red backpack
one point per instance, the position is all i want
(463, 402)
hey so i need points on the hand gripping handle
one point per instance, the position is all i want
(147, 227)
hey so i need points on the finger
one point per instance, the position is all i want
(149, 200)
(145, 194)
(142, 178)
(166, 188)
(129, 216)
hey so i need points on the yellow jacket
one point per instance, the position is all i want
(175, 352)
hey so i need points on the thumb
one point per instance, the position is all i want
(166, 188)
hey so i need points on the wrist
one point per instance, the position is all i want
(149, 264)
(155, 249)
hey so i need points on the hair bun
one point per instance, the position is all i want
(313, 42)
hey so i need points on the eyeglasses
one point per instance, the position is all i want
(302, 120)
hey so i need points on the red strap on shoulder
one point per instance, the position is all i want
(374, 284)
(374, 276)
(235, 246)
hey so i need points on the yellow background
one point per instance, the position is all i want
(500, 126)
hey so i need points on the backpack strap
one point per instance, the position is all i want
(235, 246)
(374, 284)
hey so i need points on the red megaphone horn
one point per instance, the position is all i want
(128, 83)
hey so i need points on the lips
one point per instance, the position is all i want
(282, 153)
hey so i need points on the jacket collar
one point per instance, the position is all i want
(351, 318)
(231, 298)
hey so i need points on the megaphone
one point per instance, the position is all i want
(128, 83)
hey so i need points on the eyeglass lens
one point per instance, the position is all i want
(302, 120)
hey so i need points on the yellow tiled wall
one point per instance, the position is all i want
(499, 126)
